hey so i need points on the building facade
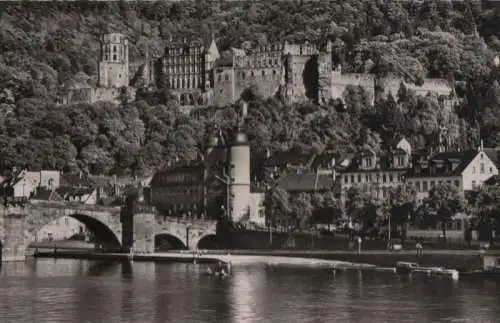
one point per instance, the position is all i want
(195, 73)
(211, 187)
(376, 173)
(465, 170)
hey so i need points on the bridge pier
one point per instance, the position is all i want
(144, 232)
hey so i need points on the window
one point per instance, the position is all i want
(481, 168)
(346, 179)
(391, 178)
(481, 156)
(66, 221)
(114, 49)
(226, 77)
(359, 178)
(368, 162)
(384, 178)
(274, 72)
(473, 169)
(114, 57)
(252, 74)
(473, 184)
(366, 178)
(263, 73)
(242, 75)
(457, 183)
(491, 170)
(417, 184)
(352, 179)
(433, 183)
(425, 186)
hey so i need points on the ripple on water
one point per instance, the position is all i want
(79, 291)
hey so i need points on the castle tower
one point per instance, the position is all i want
(113, 63)
(239, 167)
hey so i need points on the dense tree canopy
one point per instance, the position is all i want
(45, 47)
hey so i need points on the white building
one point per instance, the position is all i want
(465, 170)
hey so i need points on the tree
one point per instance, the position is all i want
(484, 203)
(360, 207)
(301, 210)
(443, 202)
(399, 206)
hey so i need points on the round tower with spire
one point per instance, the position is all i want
(239, 170)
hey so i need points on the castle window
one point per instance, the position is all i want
(114, 57)
(114, 49)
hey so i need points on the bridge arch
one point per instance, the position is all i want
(107, 231)
(168, 241)
(208, 241)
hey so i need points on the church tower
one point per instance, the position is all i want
(113, 63)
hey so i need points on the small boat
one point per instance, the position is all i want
(221, 273)
(405, 268)
(491, 267)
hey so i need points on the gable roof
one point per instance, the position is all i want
(493, 154)
(442, 162)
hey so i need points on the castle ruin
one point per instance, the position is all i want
(195, 73)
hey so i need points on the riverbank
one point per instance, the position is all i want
(188, 257)
(465, 260)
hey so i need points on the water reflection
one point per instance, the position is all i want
(85, 291)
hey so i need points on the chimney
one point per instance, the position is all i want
(481, 146)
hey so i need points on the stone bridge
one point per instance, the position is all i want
(19, 225)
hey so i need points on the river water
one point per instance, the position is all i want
(88, 291)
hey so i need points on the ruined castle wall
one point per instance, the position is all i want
(437, 86)
(224, 86)
(297, 78)
(324, 77)
(80, 95)
(341, 81)
(265, 80)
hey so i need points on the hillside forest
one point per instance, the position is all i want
(46, 46)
